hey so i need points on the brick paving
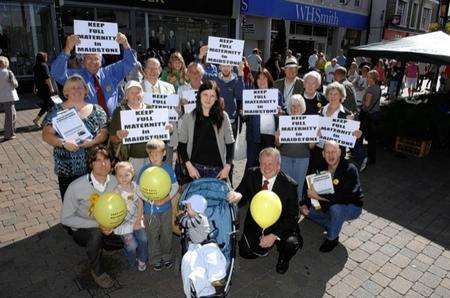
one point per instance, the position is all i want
(398, 247)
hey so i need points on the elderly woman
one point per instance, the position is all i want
(260, 129)
(206, 143)
(135, 153)
(175, 72)
(70, 156)
(295, 157)
(335, 93)
(75, 213)
(8, 96)
(314, 100)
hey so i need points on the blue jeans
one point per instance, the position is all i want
(333, 219)
(136, 246)
(296, 168)
(207, 171)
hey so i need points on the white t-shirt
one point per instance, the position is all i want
(312, 60)
(329, 72)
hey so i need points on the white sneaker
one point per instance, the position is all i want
(142, 266)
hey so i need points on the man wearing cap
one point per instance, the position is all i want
(284, 233)
(291, 84)
(340, 75)
(254, 60)
(329, 71)
(102, 82)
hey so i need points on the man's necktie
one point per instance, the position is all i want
(265, 185)
(154, 89)
(100, 96)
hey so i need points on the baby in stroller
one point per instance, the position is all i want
(203, 267)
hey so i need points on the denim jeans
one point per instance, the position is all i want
(296, 169)
(136, 246)
(333, 219)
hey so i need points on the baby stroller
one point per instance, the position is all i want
(222, 220)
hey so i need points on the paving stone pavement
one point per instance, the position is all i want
(398, 247)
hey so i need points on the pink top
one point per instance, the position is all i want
(412, 70)
(380, 70)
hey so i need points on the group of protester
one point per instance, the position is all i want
(201, 145)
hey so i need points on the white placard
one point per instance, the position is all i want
(144, 125)
(191, 97)
(339, 130)
(299, 129)
(260, 101)
(70, 126)
(224, 50)
(96, 37)
(163, 101)
(322, 183)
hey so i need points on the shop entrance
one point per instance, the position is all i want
(304, 47)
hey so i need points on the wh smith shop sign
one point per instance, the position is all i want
(283, 9)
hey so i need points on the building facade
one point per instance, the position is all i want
(409, 17)
(325, 25)
(30, 26)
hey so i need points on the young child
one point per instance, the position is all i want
(203, 267)
(132, 229)
(158, 214)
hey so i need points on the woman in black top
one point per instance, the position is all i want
(314, 100)
(43, 87)
(205, 136)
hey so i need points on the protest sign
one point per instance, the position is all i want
(144, 125)
(163, 101)
(224, 51)
(70, 126)
(339, 130)
(260, 101)
(299, 129)
(96, 37)
(191, 97)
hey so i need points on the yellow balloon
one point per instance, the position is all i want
(110, 210)
(155, 183)
(265, 208)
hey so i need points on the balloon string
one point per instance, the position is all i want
(93, 199)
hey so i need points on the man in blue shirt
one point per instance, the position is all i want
(102, 82)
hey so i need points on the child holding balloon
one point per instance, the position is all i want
(132, 229)
(158, 213)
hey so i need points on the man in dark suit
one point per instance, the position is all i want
(285, 232)
(291, 84)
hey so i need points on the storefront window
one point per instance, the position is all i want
(25, 29)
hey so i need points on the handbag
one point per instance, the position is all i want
(240, 147)
(12, 80)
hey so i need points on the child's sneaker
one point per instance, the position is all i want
(158, 266)
(168, 264)
(142, 266)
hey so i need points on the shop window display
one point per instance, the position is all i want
(25, 29)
